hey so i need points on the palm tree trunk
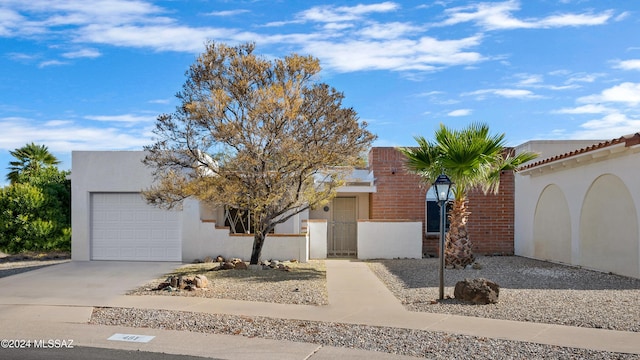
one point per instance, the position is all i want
(457, 250)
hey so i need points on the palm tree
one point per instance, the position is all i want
(30, 159)
(473, 159)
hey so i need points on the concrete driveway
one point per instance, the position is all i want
(79, 283)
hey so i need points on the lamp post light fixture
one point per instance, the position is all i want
(442, 187)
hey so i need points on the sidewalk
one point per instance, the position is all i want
(355, 296)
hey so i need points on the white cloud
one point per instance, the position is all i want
(127, 118)
(48, 63)
(227, 13)
(83, 53)
(424, 54)
(633, 64)
(348, 38)
(345, 13)
(608, 127)
(460, 112)
(585, 109)
(160, 101)
(392, 30)
(498, 16)
(507, 93)
(628, 93)
(65, 136)
(583, 78)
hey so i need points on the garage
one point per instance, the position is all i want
(125, 227)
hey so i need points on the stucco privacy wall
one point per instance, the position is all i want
(401, 196)
(202, 239)
(389, 239)
(582, 208)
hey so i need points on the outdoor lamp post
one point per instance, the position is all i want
(442, 187)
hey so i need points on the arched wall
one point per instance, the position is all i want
(609, 227)
(552, 226)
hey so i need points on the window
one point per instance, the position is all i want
(433, 213)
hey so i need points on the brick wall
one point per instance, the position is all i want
(401, 196)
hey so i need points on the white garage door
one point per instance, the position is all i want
(124, 227)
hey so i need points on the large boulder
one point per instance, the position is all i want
(201, 281)
(477, 291)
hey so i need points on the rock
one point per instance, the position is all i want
(208, 259)
(181, 283)
(294, 260)
(283, 267)
(162, 285)
(197, 261)
(173, 282)
(476, 265)
(477, 291)
(201, 281)
(228, 266)
(220, 259)
(190, 287)
(241, 265)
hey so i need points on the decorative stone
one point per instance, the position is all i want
(208, 259)
(162, 286)
(477, 291)
(201, 281)
(220, 259)
(241, 265)
(197, 261)
(173, 282)
(228, 266)
(476, 265)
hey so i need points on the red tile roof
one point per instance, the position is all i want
(628, 140)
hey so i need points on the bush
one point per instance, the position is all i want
(36, 213)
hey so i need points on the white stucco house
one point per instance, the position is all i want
(576, 204)
(111, 221)
(580, 205)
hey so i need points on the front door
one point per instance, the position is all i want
(343, 239)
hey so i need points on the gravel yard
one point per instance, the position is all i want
(432, 345)
(530, 290)
(20, 263)
(305, 283)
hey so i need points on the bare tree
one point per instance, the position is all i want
(262, 136)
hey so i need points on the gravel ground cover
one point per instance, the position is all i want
(20, 263)
(305, 283)
(427, 344)
(530, 290)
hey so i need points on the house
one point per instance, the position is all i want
(111, 221)
(380, 213)
(580, 205)
(576, 204)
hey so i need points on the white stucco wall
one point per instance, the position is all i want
(388, 240)
(100, 171)
(123, 171)
(602, 229)
(317, 235)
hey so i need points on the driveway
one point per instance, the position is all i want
(79, 283)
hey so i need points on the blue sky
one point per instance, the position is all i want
(94, 75)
